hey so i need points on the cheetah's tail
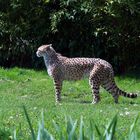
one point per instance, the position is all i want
(111, 87)
(125, 94)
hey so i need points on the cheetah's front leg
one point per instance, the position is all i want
(58, 88)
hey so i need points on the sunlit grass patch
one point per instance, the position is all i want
(35, 90)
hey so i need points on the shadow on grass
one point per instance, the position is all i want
(131, 103)
(72, 101)
(85, 102)
(127, 101)
(76, 98)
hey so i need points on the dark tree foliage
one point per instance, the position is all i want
(109, 29)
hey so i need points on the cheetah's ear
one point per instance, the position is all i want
(50, 45)
(50, 48)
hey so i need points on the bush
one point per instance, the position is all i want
(106, 29)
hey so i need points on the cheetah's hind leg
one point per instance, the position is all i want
(95, 82)
(110, 86)
(95, 91)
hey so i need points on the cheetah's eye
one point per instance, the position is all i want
(39, 53)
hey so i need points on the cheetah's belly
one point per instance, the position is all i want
(74, 74)
(86, 73)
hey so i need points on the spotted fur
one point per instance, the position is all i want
(99, 71)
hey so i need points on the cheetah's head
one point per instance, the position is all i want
(45, 50)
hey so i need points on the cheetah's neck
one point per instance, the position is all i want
(50, 60)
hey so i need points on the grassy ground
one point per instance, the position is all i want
(35, 90)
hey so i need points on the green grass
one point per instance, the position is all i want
(34, 89)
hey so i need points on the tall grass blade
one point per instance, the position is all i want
(43, 134)
(133, 136)
(71, 134)
(132, 133)
(91, 131)
(69, 125)
(58, 130)
(39, 133)
(113, 128)
(98, 131)
(14, 136)
(29, 122)
(132, 127)
(81, 132)
(110, 129)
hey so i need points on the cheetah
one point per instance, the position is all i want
(99, 72)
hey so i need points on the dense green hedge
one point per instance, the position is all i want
(109, 29)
